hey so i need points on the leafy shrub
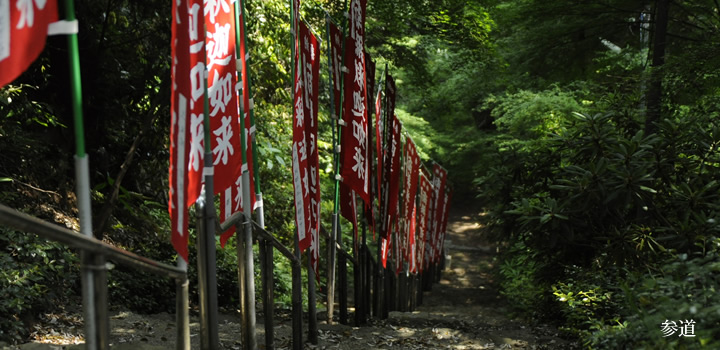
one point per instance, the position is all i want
(684, 289)
(35, 276)
(520, 281)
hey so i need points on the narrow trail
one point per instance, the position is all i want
(463, 311)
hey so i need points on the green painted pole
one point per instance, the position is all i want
(95, 337)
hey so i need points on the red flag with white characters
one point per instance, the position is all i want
(348, 206)
(354, 157)
(336, 40)
(436, 216)
(424, 199)
(303, 143)
(379, 150)
(393, 178)
(384, 250)
(222, 64)
(443, 225)
(223, 105)
(384, 133)
(310, 56)
(23, 29)
(411, 167)
(186, 134)
(412, 245)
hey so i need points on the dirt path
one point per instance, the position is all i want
(463, 311)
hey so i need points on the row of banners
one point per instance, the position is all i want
(210, 75)
(423, 207)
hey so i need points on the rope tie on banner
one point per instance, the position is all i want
(337, 149)
(338, 177)
(344, 69)
(63, 27)
(251, 104)
(342, 122)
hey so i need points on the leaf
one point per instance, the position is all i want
(5, 179)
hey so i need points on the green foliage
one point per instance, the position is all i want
(528, 115)
(520, 277)
(35, 276)
(683, 288)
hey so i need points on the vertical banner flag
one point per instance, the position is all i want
(301, 184)
(336, 40)
(393, 180)
(348, 206)
(370, 73)
(383, 153)
(186, 134)
(412, 256)
(379, 153)
(443, 225)
(23, 29)
(355, 162)
(310, 56)
(397, 247)
(439, 179)
(384, 250)
(232, 197)
(411, 168)
(425, 196)
(223, 105)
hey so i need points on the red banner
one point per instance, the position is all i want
(443, 225)
(186, 133)
(23, 29)
(232, 197)
(301, 184)
(310, 55)
(385, 134)
(355, 160)
(379, 151)
(411, 167)
(393, 179)
(412, 245)
(336, 40)
(439, 180)
(425, 197)
(384, 250)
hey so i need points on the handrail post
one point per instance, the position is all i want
(242, 284)
(342, 280)
(312, 307)
(266, 261)
(182, 309)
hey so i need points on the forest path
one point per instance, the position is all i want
(463, 311)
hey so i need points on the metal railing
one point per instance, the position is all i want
(25, 223)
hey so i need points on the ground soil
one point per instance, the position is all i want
(463, 311)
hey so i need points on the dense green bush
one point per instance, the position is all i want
(684, 289)
(35, 276)
(603, 225)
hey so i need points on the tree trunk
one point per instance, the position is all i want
(654, 93)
